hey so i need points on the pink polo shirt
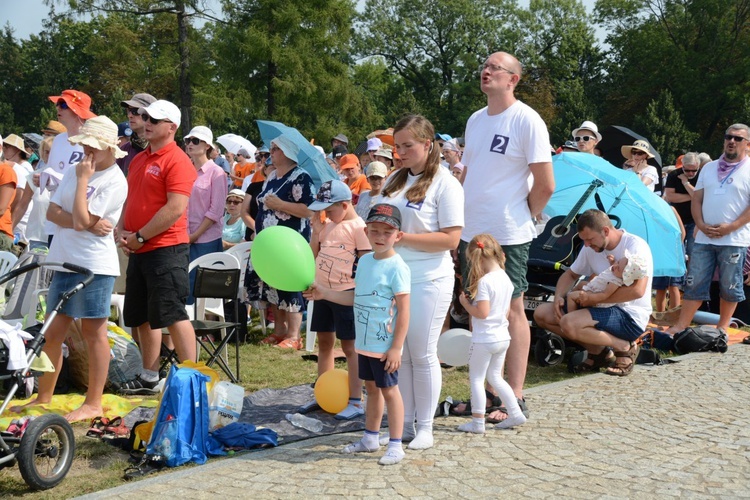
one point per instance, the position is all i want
(208, 199)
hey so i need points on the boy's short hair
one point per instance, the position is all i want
(385, 213)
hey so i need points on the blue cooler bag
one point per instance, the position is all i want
(181, 428)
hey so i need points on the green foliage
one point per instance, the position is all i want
(666, 131)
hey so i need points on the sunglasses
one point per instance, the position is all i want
(374, 178)
(192, 140)
(687, 170)
(62, 104)
(584, 138)
(233, 202)
(153, 121)
(735, 138)
(133, 111)
(637, 152)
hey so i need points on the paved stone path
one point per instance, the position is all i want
(680, 430)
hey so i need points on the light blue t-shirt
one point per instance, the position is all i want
(376, 285)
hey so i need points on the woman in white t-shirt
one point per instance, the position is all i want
(92, 191)
(431, 202)
(637, 157)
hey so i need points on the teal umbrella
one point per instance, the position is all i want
(584, 181)
(308, 158)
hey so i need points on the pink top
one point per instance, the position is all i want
(208, 199)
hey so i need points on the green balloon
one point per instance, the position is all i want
(283, 259)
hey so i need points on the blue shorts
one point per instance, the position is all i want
(331, 317)
(616, 322)
(89, 303)
(374, 370)
(664, 282)
(703, 262)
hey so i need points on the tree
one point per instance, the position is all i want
(664, 127)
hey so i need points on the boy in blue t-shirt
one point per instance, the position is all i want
(381, 309)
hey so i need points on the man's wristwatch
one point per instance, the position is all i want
(140, 238)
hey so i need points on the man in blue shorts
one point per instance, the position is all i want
(599, 328)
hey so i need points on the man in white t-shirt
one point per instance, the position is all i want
(598, 328)
(721, 211)
(507, 181)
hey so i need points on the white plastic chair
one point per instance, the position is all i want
(7, 261)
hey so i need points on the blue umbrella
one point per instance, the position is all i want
(308, 158)
(581, 179)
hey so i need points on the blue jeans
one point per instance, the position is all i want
(703, 261)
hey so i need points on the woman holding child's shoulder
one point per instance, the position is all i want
(431, 202)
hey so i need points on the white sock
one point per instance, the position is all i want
(393, 454)
(476, 426)
(510, 422)
(149, 375)
(422, 440)
(407, 435)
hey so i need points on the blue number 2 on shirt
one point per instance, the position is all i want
(499, 144)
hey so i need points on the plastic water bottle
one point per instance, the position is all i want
(304, 422)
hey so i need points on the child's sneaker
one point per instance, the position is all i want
(393, 455)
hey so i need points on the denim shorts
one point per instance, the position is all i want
(703, 262)
(331, 317)
(516, 265)
(89, 303)
(615, 321)
(664, 282)
(373, 369)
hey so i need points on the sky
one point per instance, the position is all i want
(26, 16)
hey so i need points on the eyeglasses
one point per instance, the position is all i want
(62, 104)
(735, 138)
(133, 111)
(584, 138)
(274, 148)
(192, 140)
(638, 152)
(494, 68)
(690, 171)
(233, 202)
(153, 121)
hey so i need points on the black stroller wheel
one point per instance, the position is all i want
(46, 451)
(549, 349)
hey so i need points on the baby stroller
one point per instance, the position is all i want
(45, 450)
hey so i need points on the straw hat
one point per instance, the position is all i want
(640, 145)
(54, 127)
(100, 133)
(16, 142)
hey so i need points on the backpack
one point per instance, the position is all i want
(700, 339)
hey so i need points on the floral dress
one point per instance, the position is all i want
(294, 187)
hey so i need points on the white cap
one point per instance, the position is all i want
(202, 133)
(588, 125)
(374, 144)
(163, 110)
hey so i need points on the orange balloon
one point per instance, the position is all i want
(332, 390)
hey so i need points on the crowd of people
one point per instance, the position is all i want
(387, 235)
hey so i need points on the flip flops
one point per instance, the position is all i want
(104, 428)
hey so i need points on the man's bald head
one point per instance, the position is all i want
(510, 62)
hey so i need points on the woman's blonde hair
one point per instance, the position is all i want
(422, 130)
(481, 246)
(44, 148)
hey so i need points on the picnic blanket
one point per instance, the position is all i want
(113, 406)
(268, 408)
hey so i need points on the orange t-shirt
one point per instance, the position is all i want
(258, 176)
(150, 177)
(7, 176)
(359, 185)
(242, 171)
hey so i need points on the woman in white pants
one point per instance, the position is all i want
(431, 202)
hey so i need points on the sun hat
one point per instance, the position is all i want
(287, 146)
(263, 149)
(243, 152)
(377, 169)
(451, 145)
(443, 137)
(236, 193)
(385, 153)
(588, 125)
(202, 133)
(163, 110)
(330, 192)
(342, 138)
(374, 144)
(320, 150)
(640, 145)
(570, 145)
(100, 133)
(635, 269)
(348, 161)
(138, 101)
(16, 142)
(78, 102)
(385, 213)
(54, 127)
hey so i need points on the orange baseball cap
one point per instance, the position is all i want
(348, 161)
